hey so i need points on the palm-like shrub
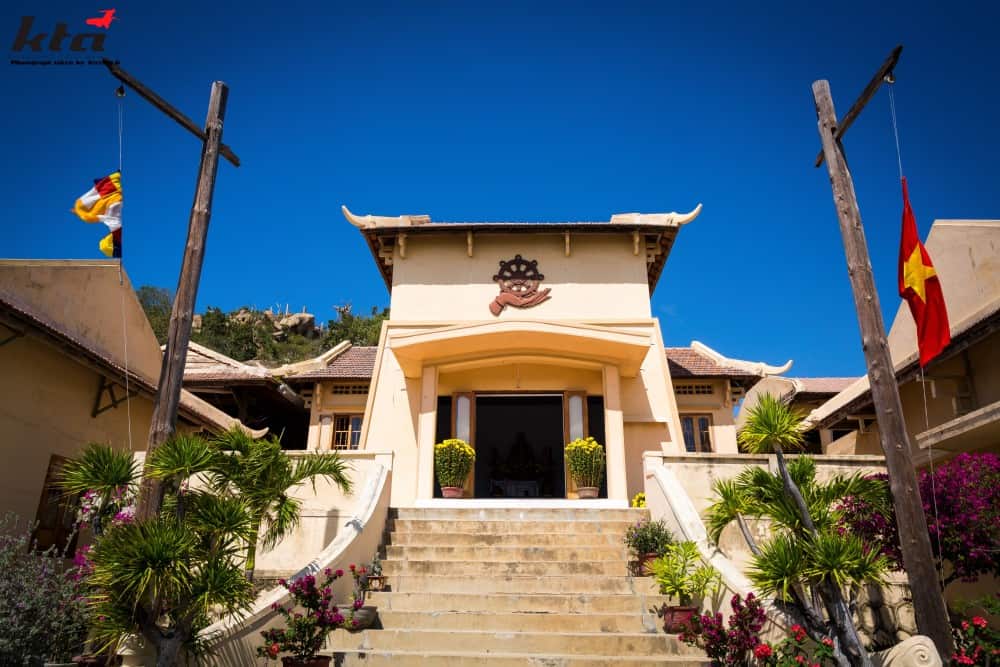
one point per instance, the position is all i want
(167, 578)
(260, 473)
(807, 557)
(453, 460)
(106, 478)
(585, 458)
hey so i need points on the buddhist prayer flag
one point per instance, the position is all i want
(103, 203)
(920, 287)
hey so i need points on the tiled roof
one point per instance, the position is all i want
(356, 363)
(686, 362)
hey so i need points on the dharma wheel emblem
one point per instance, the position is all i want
(518, 279)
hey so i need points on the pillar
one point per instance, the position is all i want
(426, 432)
(614, 427)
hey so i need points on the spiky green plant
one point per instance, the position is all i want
(807, 560)
(263, 476)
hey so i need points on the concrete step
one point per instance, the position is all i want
(481, 539)
(524, 584)
(506, 553)
(520, 514)
(537, 604)
(502, 527)
(395, 658)
(519, 622)
(531, 643)
(614, 568)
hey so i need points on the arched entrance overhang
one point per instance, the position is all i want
(613, 352)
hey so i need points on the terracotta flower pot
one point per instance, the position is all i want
(677, 619)
(645, 563)
(452, 491)
(587, 491)
(363, 618)
(318, 661)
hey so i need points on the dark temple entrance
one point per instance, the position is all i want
(519, 446)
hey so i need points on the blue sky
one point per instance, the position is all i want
(516, 111)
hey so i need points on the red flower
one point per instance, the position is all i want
(762, 651)
(965, 625)
(979, 621)
(800, 659)
(827, 642)
(273, 650)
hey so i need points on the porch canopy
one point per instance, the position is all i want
(569, 342)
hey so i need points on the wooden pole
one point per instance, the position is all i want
(168, 394)
(167, 108)
(918, 560)
(866, 95)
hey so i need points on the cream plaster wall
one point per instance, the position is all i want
(513, 376)
(327, 404)
(325, 513)
(87, 300)
(45, 403)
(438, 281)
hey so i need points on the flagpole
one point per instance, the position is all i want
(918, 558)
(165, 406)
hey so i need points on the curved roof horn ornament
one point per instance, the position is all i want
(672, 219)
(372, 221)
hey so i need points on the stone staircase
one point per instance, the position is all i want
(502, 587)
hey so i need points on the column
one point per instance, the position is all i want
(325, 432)
(614, 426)
(426, 432)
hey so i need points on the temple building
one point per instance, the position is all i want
(517, 338)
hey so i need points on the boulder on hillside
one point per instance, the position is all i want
(303, 324)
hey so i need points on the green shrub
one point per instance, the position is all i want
(682, 574)
(648, 537)
(585, 457)
(453, 460)
(43, 604)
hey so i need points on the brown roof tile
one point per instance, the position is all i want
(356, 363)
(685, 362)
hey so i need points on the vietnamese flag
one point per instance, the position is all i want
(920, 287)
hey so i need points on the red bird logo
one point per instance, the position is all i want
(103, 21)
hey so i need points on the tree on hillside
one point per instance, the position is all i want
(359, 329)
(157, 303)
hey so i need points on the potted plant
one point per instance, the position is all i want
(453, 460)
(647, 540)
(376, 580)
(361, 615)
(305, 631)
(585, 458)
(683, 576)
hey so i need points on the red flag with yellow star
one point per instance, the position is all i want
(920, 287)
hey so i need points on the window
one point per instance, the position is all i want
(697, 432)
(56, 512)
(346, 431)
(350, 389)
(693, 389)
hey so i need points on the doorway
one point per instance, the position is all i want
(519, 446)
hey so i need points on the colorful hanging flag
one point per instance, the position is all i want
(920, 287)
(103, 203)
